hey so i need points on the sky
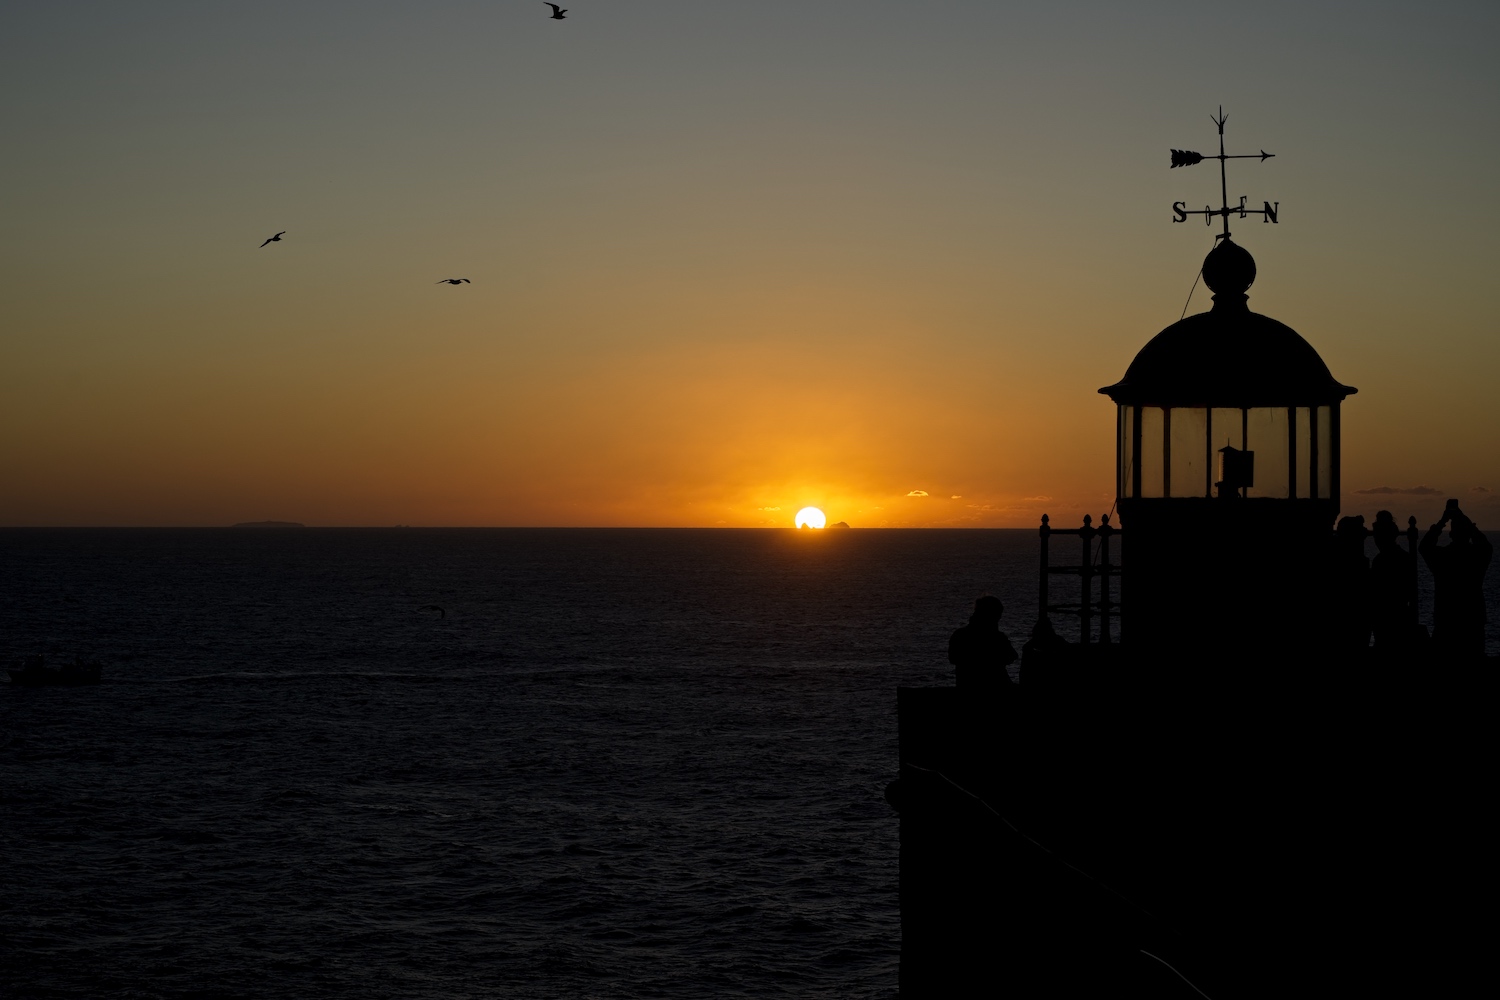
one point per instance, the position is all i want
(727, 259)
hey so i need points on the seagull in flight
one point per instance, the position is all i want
(454, 281)
(276, 238)
(558, 13)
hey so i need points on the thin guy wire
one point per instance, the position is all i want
(1190, 295)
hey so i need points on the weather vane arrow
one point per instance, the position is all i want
(1187, 158)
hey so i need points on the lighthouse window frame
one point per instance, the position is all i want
(1152, 470)
(1189, 456)
(1269, 437)
(1171, 451)
(1328, 458)
(1302, 446)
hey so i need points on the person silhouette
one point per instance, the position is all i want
(1458, 570)
(1393, 609)
(1350, 610)
(980, 652)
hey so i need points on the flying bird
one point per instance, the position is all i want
(276, 238)
(454, 281)
(558, 13)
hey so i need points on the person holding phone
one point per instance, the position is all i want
(1458, 570)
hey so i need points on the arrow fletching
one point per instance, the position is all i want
(1185, 158)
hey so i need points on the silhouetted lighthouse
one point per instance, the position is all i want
(1227, 479)
(1138, 820)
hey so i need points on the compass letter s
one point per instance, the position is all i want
(1179, 209)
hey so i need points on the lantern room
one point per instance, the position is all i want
(1227, 404)
(1227, 477)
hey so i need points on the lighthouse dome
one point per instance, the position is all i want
(1228, 356)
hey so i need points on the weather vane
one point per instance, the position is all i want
(1186, 158)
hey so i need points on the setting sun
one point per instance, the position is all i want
(811, 517)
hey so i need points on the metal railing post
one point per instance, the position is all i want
(1105, 568)
(1041, 594)
(1086, 574)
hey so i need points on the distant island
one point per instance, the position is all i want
(839, 524)
(270, 524)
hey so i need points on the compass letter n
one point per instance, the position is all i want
(1179, 210)
(1270, 211)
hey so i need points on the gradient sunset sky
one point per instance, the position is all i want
(728, 259)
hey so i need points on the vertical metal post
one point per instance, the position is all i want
(1244, 440)
(1291, 453)
(1333, 452)
(1135, 452)
(1208, 452)
(1166, 451)
(1086, 581)
(1041, 592)
(1105, 571)
(1312, 447)
(1119, 452)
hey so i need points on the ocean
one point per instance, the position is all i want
(616, 763)
(469, 763)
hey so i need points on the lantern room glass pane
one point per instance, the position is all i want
(1325, 452)
(1304, 452)
(1189, 464)
(1153, 448)
(1227, 429)
(1269, 441)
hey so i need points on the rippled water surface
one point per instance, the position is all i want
(616, 764)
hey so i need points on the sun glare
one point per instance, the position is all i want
(811, 517)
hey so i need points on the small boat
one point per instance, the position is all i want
(34, 672)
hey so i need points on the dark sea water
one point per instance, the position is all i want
(624, 763)
(621, 763)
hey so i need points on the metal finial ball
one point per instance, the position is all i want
(1228, 269)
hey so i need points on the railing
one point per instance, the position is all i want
(1090, 565)
(1095, 564)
